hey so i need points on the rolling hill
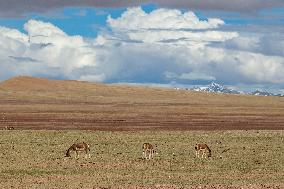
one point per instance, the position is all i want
(38, 103)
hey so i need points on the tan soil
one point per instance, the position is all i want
(36, 103)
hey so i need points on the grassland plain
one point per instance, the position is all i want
(37, 103)
(35, 159)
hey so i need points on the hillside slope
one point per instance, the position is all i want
(27, 102)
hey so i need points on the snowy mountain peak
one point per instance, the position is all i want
(264, 93)
(216, 88)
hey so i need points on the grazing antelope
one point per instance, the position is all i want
(9, 128)
(79, 147)
(148, 151)
(202, 148)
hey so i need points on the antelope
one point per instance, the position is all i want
(148, 151)
(79, 147)
(9, 128)
(202, 148)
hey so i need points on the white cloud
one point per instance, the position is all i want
(244, 43)
(167, 25)
(166, 19)
(13, 34)
(34, 28)
(54, 53)
(181, 36)
(163, 46)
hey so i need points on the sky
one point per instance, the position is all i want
(237, 43)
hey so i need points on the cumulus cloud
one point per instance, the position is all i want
(43, 50)
(256, 39)
(137, 19)
(190, 47)
(166, 25)
(140, 48)
(181, 36)
(34, 28)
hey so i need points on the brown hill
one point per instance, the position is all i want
(26, 83)
(32, 102)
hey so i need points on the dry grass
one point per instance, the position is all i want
(40, 103)
(35, 159)
(38, 89)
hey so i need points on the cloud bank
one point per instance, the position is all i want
(19, 8)
(163, 46)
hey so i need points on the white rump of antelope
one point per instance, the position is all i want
(9, 128)
(79, 147)
(202, 148)
(148, 151)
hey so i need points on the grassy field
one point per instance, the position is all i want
(35, 159)
(245, 133)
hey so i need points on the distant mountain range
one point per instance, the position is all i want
(264, 93)
(218, 88)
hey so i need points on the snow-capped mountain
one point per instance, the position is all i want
(264, 93)
(216, 88)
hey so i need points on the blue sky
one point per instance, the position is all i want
(87, 21)
(74, 21)
(160, 42)
(84, 21)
